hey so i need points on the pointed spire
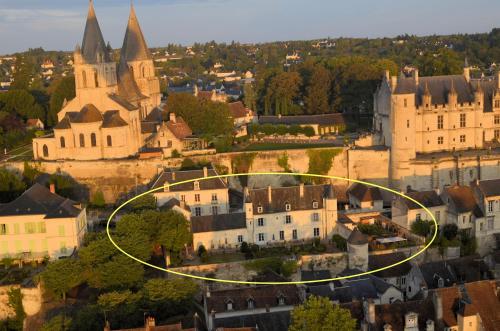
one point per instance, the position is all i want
(134, 45)
(427, 91)
(452, 88)
(93, 41)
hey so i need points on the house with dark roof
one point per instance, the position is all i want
(41, 223)
(263, 307)
(405, 212)
(487, 193)
(463, 208)
(397, 275)
(290, 214)
(363, 196)
(200, 190)
(322, 124)
(103, 121)
(242, 116)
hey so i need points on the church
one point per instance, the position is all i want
(116, 105)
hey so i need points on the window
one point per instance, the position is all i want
(437, 215)
(281, 300)
(315, 217)
(45, 151)
(497, 117)
(260, 237)
(84, 79)
(82, 140)
(197, 211)
(315, 204)
(260, 222)
(282, 235)
(288, 219)
(463, 122)
(30, 228)
(462, 138)
(440, 140)
(316, 232)
(240, 238)
(196, 185)
(93, 140)
(214, 197)
(405, 102)
(418, 217)
(294, 235)
(16, 229)
(288, 207)
(215, 210)
(497, 103)
(41, 227)
(408, 124)
(62, 142)
(3, 229)
(497, 134)
(403, 280)
(183, 197)
(109, 141)
(490, 206)
(64, 250)
(61, 231)
(251, 304)
(197, 198)
(440, 122)
(463, 219)
(260, 209)
(229, 305)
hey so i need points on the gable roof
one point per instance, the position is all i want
(380, 261)
(220, 222)
(433, 271)
(427, 198)
(179, 128)
(280, 196)
(175, 176)
(272, 321)
(238, 109)
(365, 193)
(134, 45)
(490, 188)
(93, 41)
(394, 314)
(463, 199)
(38, 200)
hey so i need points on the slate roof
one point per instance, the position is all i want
(179, 128)
(175, 176)
(112, 119)
(275, 321)
(38, 200)
(470, 269)
(122, 102)
(93, 41)
(490, 188)
(323, 119)
(394, 314)
(307, 275)
(463, 199)
(148, 127)
(357, 238)
(262, 295)
(280, 196)
(433, 271)
(63, 124)
(127, 86)
(365, 193)
(156, 115)
(480, 295)
(88, 114)
(134, 45)
(220, 222)
(380, 261)
(427, 198)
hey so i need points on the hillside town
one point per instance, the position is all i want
(247, 199)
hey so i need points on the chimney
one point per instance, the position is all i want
(438, 307)
(332, 286)
(369, 311)
(279, 115)
(52, 188)
(429, 325)
(301, 190)
(394, 82)
(205, 172)
(437, 190)
(150, 323)
(172, 118)
(415, 76)
(387, 327)
(269, 194)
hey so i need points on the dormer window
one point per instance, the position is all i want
(251, 303)
(260, 209)
(281, 300)
(315, 204)
(229, 305)
(288, 206)
(196, 185)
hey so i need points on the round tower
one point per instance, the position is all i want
(357, 250)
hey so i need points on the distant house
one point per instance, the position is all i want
(463, 208)
(397, 275)
(150, 325)
(242, 116)
(41, 223)
(34, 124)
(219, 231)
(487, 194)
(363, 196)
(322, 124)
(405, 212)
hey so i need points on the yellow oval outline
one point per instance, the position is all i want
(229, 281)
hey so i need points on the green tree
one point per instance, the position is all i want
(57, 323)
(61, 276)
(421, 227)
(10, 186)
(64, 90)
(145, 202)
(98, 200)
(283, 92)
(317, 92)
(30, 173)
(176, 291)
(21, 103)
(320, 314)
(249, 96)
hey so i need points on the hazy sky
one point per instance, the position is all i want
(58, 24)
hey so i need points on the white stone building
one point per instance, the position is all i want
(41, 223)
(405, 212)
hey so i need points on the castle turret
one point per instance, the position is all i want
(427, 97)
(357, 250)
(331, 211)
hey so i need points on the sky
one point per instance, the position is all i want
(59, 24)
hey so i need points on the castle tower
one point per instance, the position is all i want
(93, 65)
(136, 55)
(357, 250)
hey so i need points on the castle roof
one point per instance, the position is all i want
(93, 42)
(112, 119)
(134, 45)
(88, 114)
(357, 238)
(127, 86)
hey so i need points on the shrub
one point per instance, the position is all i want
(450, 231)
(339, 242)
(98, 200)
(176, 154)
(201, 250)
(421, 228)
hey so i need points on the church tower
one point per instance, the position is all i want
(136, 56)
(95, 70)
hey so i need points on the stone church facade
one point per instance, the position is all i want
(106, 118)
(440, 130)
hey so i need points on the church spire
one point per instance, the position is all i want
(134, 45)
(93, 45)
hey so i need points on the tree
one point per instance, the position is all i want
(249, 97)
(320, 314)
(421, 227)
(176, 291)
(174, 234)
(61, 276)
(122, 307)
(64, 90)
(65, 185)
(283, 92)
(98, 200)
(450, 231)
(57, 323)
(317, 92)
(10, 186)
(145, 202)
(22, 104)
(30, 173)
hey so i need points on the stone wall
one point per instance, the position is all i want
(32, 300)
